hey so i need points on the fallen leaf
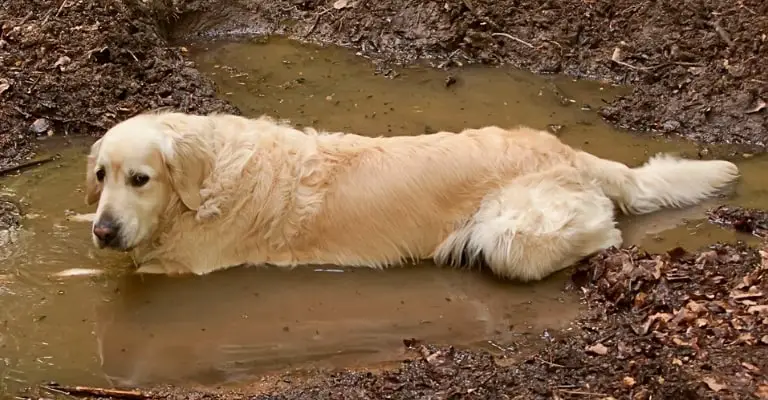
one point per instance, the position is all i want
(695, 307)
(640, 300)
(616, 56)
(764, 339)
(762, 392)
(762, 309)
(339, 4)
(712, 384)
(759, 105)
(598, 349)
(628, 381)
(745, 338)
(4, 85)
(62, 62)
(746, 296)
(750, 367)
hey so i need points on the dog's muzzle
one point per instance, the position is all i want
(107, 232)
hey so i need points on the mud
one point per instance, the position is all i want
(75, 68)
(268, 331)
(694, 68)
(678, 326)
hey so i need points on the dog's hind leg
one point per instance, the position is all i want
(534, 226)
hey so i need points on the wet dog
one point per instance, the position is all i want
(195, 194)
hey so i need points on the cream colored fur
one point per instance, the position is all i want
(226, 191)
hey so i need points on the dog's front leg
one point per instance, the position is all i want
(151, 268)
(170, 268)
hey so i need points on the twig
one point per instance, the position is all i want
(616, 57)
(61, 7)
(508, 36)
(579, 392)
(27, 164)
(31, 88)
(549, 363)
(57, 391)
(317, 19)
(448, 60)
(98, 392)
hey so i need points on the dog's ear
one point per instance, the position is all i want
(92, 186)
(189, 163)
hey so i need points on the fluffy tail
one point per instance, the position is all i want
(664, 181)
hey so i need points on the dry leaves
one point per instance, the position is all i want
(597, 349)
(759, 105)
(713, 385)
(339, 4)
(4, 85)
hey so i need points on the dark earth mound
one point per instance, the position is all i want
(77, 67)
(696, 66)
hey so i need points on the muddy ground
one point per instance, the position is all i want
(673, 326)
(696, 66)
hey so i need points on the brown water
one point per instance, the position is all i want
(227, 326)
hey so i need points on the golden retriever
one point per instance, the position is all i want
(195, 194)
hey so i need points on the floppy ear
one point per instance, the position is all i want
(92, 186)
(188, 165)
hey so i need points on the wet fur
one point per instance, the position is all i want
(231, 191)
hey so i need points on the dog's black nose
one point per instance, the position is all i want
(106, 231)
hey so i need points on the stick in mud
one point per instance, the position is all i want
(84, 391)
(27, 164)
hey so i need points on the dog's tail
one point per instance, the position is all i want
(663, 181)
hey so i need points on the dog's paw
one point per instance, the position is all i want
(151, 269)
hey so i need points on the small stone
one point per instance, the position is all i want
(628, 381)
(554, 128)
(598, 349)
(40, 126)
(62, 62)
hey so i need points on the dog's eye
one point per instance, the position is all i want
(139, 180)
(100, 175)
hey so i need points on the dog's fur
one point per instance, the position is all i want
(225, 190)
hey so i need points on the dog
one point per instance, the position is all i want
(194, 194)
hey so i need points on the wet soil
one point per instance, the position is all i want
(673, 326)
(77, 67)
(680, 326)
(239, 326)
(695, 66)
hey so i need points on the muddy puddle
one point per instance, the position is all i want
(119, 328)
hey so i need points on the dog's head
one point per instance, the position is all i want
(138, 169)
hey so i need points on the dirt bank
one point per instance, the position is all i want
(696, 65)
(77, 67)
